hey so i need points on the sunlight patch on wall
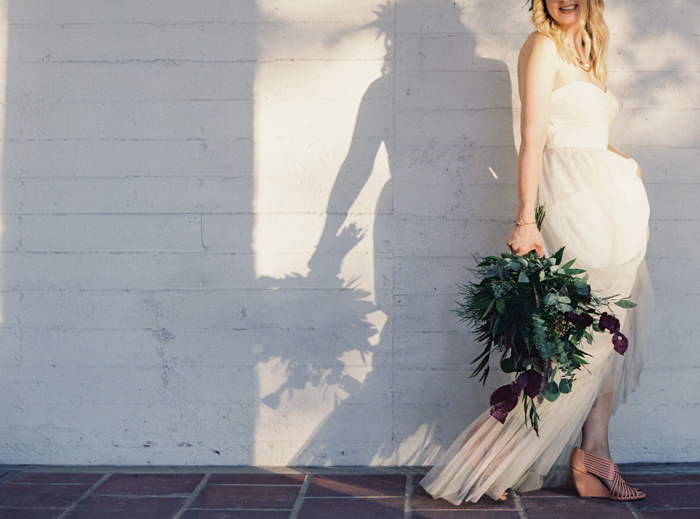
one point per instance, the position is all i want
(306, 102)
(317, 61)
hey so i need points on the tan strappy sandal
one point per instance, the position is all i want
(587, 470)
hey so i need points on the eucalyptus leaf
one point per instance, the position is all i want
(625, 303)
(565, 386)
(552, 391)
(551, 299)
(501, 305)
(522, 278)
(508, 365)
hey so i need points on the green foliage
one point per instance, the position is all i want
(535, 313)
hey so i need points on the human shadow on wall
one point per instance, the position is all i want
(439, 156)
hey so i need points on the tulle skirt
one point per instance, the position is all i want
(596, 207)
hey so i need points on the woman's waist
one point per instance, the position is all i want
(576, 147)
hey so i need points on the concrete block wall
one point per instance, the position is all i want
(231, 231)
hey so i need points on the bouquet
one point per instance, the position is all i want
(535, 312)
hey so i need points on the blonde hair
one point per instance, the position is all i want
(594, 33)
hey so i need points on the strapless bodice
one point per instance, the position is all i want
(580, 116)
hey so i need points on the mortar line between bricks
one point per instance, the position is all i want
(82, 498)
(519, 505)
(7, 476)
(296, 509)
(194, 495)
(408, 503)
(348, 498)
(634, 511)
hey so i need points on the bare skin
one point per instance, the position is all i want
(595, 429)
(540, 71)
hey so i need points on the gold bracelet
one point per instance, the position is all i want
(523, 223)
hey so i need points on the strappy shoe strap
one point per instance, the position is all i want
(622, 491)
(600, 467)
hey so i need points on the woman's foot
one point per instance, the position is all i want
(596, 476)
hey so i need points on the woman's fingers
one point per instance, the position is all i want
(525, 238)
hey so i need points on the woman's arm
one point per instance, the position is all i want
(537, 67)
(639, 171)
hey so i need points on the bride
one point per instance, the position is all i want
(597, 208)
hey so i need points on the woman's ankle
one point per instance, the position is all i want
(602, 451)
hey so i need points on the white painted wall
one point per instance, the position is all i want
(231, 230)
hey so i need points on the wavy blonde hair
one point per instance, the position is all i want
(594, 33)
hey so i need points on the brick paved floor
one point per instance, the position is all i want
(673, 492)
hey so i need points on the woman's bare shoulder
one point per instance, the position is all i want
(538, 51)
(540, 45)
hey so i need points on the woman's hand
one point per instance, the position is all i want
(524, 238)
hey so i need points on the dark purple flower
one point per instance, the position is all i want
(534, 383)
(500, 411)
(503, 401)
(520, 383)
(583, 320)
(620, 342)
(608, 322)
(502, 394)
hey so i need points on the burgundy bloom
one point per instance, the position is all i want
(534, 383)
(503, 401)
(583, 320)
(520, 383)
(502, 394)
(620, 342)
(609, 322)
(500, 411)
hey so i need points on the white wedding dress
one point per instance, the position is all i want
(597, 208)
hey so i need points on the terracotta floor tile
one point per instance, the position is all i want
(640, 479)
(353, 508)
(424, 501)
(62, 478)
(670, 496)
(671, 514)
(357, 486)
(559, 508)
(25, 513)
(149, 484)
(117, 507)
(40, 496)
(465, 514)
(256, 479)
(564, 491)
(236, 514)
(231, 497)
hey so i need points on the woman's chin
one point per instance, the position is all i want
(568, 18)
